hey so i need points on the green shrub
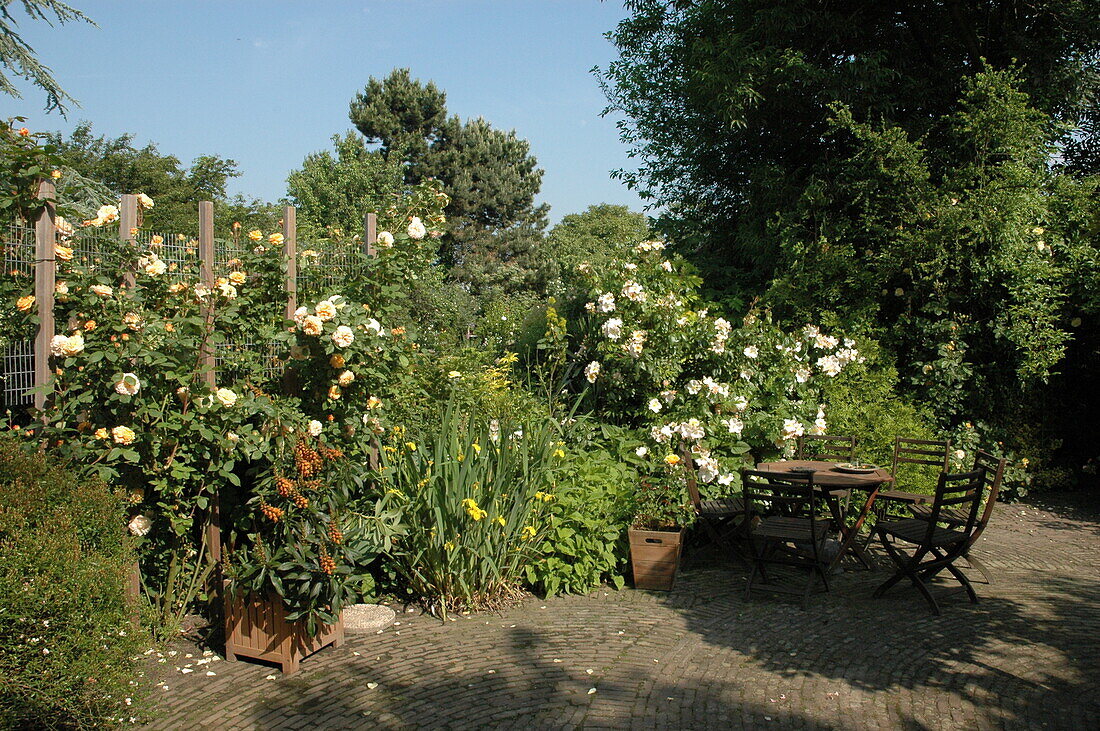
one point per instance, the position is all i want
(586, 523)
(66, 639)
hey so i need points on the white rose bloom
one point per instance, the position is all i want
(792, 428)
(811, 332)
(57, 344)
(746, 375)
(735, 425)
(691, 429)
(140, 525)
(374, 326)
(661, 434)
(385, 239)
(633, 292)
(849, 343)
(825, 341)
(589, 306)
(668, 396)
(666, 265)
(802, 374)
(343, 336)
(227, 290)
(751, 351)
(641, 451)
(630, 266)
(740, 403)
(226, 397)
(102, 290)
(693, 386)
(960, 454)
(706, 469)
(128, 385)
(612, 329)
(592, 371)
(144, 201)
(847, 355)
(605, 303)
(722, 326)
(315, 428)
(829, 365)
(300, 316)
(155, 266)
(107, 214)
(726, 479)
(417, 229)
(655, 405)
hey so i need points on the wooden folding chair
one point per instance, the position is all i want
(826, 448)
(830, 448)
(992, 470)
(784, 528)
(930, 452)
(721, 518)
(934, 548)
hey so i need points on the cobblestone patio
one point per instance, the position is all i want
(1027, 656)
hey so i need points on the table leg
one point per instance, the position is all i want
(850, 533)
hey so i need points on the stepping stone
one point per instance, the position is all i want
(367, 617)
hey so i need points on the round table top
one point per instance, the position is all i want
(825, 473)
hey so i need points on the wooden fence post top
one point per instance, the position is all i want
(370, 233)
(45, 281)
(290, 254)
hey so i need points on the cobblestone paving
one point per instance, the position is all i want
(1026, 656)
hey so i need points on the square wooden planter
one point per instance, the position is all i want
(256, 627)
(655, 557)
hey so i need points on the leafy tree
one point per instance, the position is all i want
(122, 167)
(598, 234)
(18, 57)
(727, 104)
(339, 190)
(490, 175)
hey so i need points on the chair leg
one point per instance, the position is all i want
(981, 567)
(964, 581)
(757, 567)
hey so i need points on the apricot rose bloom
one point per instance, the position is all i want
(255, 235)
(107, 214)
(23, 304)
(103, 290)
(64, 253)
(326, 310)
(346, 378)
(312, 325)
(237, 278)
(343, 336)
(145, 201)
(123, 435)
(275, 239)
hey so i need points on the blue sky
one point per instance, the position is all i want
(266, 83)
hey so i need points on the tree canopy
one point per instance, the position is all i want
(19, 58)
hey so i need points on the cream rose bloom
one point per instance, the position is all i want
(103, 290)
(226, 397)
(343, 336)
(123, 435)
(107, 214)
(346, 378)
(237, 278)
(144, 201)
(326, 310)
(156, 267)
(312, 325)
(315, 428)
(128, 385)
(417, 229)
(385, 239)
(140, 525)
(300, 316)
(67, 346)
(592, 371)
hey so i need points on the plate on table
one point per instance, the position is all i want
(855, 468)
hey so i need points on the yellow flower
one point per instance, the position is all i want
(559, 453)
(672, 459)
(449, 546)
(101, 433)
(64, 253)
(374, 402)
(336, 361)
(476, 447)
(25, 303)
(461, 457)
(411, 446)
(255, 235)
(56, 174)
(334, 392)
(499, 520)
(237, 278)
(276, 239)
(123, 435)
(346, 378)
(528, 532)
(157, 240)
(454, 374)
(474, 511)
(543, 496)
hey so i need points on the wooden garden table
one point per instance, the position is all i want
(832, 482)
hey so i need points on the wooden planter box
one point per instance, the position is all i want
(655, 557)
(256, 627)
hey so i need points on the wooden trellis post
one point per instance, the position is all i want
(127, 226)
(45, 282)
(290, 253)
(370, 233)
(206, 255)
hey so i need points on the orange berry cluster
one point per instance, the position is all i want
(286, 488)
(334, 533)
(272, 513)
(330, 453)
(327, 564)
(307, 461)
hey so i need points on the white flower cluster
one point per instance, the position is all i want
(650, 246)
(634, 292)
(633, 347)
(722, 329)
(67, 347)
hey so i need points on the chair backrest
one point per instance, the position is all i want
(826, 448)
(921, 451)
(993, 472)
(961, 491)
(786, 494)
